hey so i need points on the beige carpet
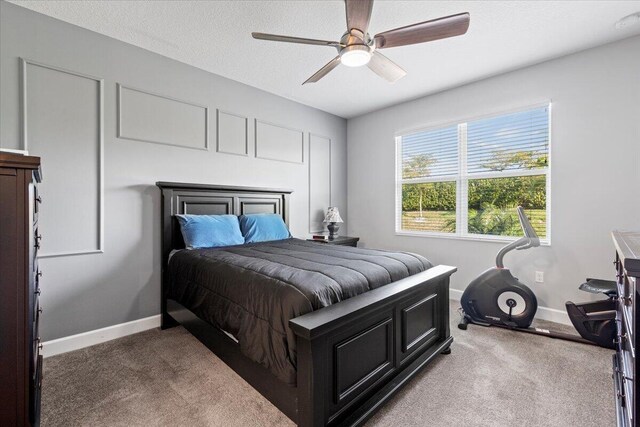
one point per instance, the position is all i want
(493, 377)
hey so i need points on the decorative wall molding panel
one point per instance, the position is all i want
(63, 122)
(275, 142)
(319, 181)
(233, 133)
(149, 117)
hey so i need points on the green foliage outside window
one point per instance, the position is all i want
(491, 201)
(526, 191)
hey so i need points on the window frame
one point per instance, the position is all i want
(462, 179)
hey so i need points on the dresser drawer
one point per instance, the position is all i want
(621, 415)
(37, 274)
(626, 368)
(34, 204)
(626, 327)
(626, 283)
(629, 291)
(34, 317)
(36, 241)
(33, 298)
(36, 341)
(35, 394)
(631, 301)
(37, 199)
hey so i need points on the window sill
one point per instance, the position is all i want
(478, 238)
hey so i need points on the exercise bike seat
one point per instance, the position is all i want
(599, 286)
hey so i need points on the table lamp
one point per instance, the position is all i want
(332, 218)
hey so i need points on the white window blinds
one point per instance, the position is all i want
(510, 142)
(430, 154)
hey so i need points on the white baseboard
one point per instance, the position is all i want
(543, 313)
(86, 339)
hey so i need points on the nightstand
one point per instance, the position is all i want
(340, 240)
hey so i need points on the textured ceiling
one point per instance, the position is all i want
(215, 36)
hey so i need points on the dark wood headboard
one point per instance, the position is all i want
(203, 199)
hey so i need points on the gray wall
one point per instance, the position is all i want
(595, 166)
(107, 201)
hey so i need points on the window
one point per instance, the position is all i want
(466, 180)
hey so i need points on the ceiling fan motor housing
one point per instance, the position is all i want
(357, 48)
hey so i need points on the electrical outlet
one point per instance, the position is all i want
(539, 276)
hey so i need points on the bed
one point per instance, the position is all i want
(322, 359)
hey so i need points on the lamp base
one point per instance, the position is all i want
(333, 230)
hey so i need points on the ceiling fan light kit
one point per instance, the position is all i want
(355, 56)
(357, 48)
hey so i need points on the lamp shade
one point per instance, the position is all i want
(332, 215)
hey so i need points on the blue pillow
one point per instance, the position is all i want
(263, 227)
(210, 231)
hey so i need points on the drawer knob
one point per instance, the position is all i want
(37, 292)
(38, 236)
(39, 273)
(39, 199)
(40, 346)
(40, 310)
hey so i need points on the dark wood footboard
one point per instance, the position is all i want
(354, 355)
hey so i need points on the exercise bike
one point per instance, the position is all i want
(497, 298)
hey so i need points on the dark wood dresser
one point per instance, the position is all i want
(20, 359)
(625, 368)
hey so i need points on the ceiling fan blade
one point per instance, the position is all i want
(358, 14)
(386, 68)
(288, 39)
(324, 70)
(436, 29)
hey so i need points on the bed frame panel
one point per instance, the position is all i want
(352, 356)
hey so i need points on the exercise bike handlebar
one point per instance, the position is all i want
(529, 240)
(527, 228)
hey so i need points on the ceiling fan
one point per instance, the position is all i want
(357, 48)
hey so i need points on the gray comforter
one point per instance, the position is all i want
(251, 291)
